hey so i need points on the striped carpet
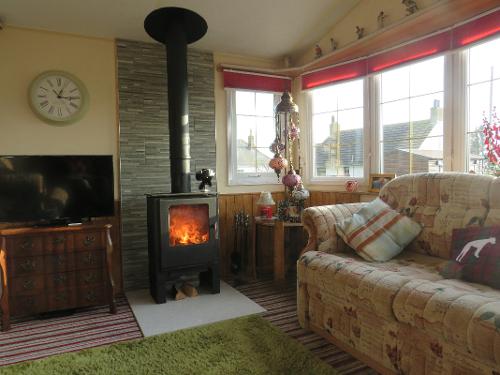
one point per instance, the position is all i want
(281, 306)
(87, 328)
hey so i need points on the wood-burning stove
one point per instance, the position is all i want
(182, 226)
(183, 237)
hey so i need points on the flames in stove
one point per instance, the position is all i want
(189, 224)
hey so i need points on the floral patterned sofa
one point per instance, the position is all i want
(401, 316)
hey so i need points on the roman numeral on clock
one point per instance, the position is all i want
(44, 104)
(73, 105)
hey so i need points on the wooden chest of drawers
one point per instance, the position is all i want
(47, 269)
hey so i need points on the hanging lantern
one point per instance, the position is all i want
(286, 116)
(291, 179)
(294, 132)
(278, 163)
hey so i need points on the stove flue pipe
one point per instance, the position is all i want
(176, 28)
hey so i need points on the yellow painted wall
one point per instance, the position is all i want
(27, 53)
(221, 121)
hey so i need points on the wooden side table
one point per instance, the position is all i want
(278, 245)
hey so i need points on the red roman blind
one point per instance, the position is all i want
(410, 52)
(478, 29)
(256, 81)
(453, 38)
(334, 74)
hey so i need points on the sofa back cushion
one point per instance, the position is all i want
(440, 202)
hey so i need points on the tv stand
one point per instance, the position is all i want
(55, 268)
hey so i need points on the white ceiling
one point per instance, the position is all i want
(260, 28)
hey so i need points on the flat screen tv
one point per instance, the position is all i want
(55, 189)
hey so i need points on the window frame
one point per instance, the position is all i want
(455, 118)
(308, 135)
(235, 178)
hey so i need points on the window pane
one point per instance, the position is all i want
(484, 62)
(337, 130)
(349, 95)
(246, 130)
(396, 158)
(266, 132)
(424, 110)
(252, 133)
(264, 104)
(412, 126)
(395, 113)
(395, 84)
(324, 100)
(476, 160)
(245, 102)
(324, 126)
(479, 104)
(351, 119)
(427, 76)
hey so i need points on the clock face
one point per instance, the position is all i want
(58, 97)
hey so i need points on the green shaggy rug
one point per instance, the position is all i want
(248, 345)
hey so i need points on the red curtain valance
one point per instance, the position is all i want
(478, 29)
(456, 37)
(256, 81)
(410, 52)
(334, 74)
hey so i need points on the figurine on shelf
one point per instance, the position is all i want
(360, 32)
(411, 6)
(317, 52)
(333, 44)
(381, 19)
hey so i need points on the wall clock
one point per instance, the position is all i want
(58, 98)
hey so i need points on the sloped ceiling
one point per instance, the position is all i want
(259, 28)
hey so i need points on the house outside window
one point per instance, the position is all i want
(250, 133)
(411, 118)
(337, 131)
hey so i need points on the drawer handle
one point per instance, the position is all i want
(61, 297)
(91, 296)
(60, 279)
(88, 241)
(28, 265)
(28, 285)
(29, 302)
(27, 244)
(89, 259)
(61, 260)
(89, 278)
(58, 240)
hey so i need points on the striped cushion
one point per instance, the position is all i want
(378, 233)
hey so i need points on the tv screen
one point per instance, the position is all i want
(55, 188)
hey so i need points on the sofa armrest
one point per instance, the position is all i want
(320, 224)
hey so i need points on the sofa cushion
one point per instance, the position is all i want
(348, 277)
(410, 290)
(465, 314)
(378, 233)
(476, 256)
(441, 202)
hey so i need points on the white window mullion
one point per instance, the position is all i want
(373, 113)
(231, 134)
(456, 109)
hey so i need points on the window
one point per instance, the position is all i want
(251, 132)
(411, 118)
(483, 94)
(337, 117)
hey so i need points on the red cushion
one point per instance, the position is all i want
(475, 256)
